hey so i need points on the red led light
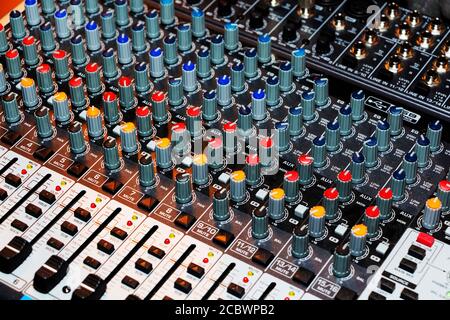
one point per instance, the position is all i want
(93, 205)
(167, 241)
(205, 260)
(24, 171)
(129, 223)
(287, 298)
(245, 280)
(58, 188)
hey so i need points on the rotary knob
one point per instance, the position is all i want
(252, 169)
(237, 186)
(290, 185)
(224, 8)
(289, 32)
(256, 19)
(183, 188)
(323, 44)
(344, 185)
(384, 201)
(146, 170)
(200, 169)
(358, 236)
(372, 220)
(76, 138)
(111, 157)
(331, 202)
(260, 223)
(432, 213)
(316, 222)
(276, 203)
(341, 261)
(221, 205)
(443, 193)
(300, 240)
(163, 153)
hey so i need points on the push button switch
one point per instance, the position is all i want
(130, 282)
(223, 238)
(143, 265)
(33, 210)
(3, 194)
(156, 252)
(77, 169)
(91, 262)
(69, 228)
(387, 285)
(105, 246)
(236, 290)
(183, 285)
(195, 270)
(55, 243)
(408, 265)
(19, 225)
(346, 294)
(263, 257)
(43, 153)
(13, 180)
(147, 203)
(82, 214)
(417, 252)
(408, 294)
(10, 138)
(304, 276)
(119, 233)
(47, 197)
(112, 186)
(185, 220)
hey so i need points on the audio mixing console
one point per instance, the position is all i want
(224, 149)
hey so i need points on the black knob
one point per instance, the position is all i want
(358, 8)
(323, 44)
(256, 19)
(329, 3)
(224, 8)
(192, 2)
(290, 31)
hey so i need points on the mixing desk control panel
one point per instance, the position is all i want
(236, 150)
